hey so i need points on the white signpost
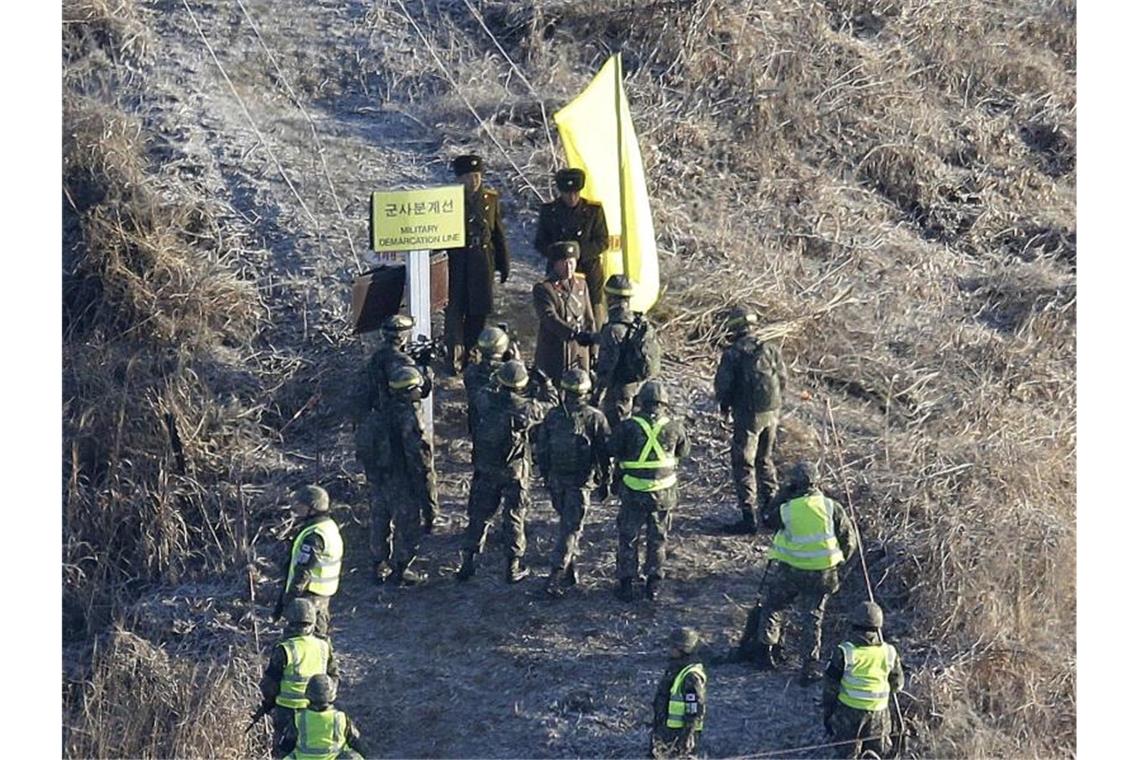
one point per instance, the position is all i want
(415, 222)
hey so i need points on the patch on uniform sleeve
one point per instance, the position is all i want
(303, 554)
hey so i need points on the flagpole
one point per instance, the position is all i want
(621, 168)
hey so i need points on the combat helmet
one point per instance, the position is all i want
(805, 474)
(396, 327)
(493, 341)
(867, 615)
(321, 690)
(301, 612)
(512, 375)
(685, 639)
(576, 381)
(405, 378)
(313, 497)
(652, 394)
(741, 318)
(619, 286)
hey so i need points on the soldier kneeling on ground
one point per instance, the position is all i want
(320, 732)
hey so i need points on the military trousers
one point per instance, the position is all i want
(618, 402)
(404, 514)
(806, 590)
(753, 469)
(651, 511)
(487, 493)
(672, 742)
(571, 501)
(460, 334)
(380, 520)
(862, 730)
(282, 719)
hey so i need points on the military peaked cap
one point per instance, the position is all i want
(466, 164)
(563, 249)
(570, 180)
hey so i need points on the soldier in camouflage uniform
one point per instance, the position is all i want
(493, 344)
(680, 703)
(647, 449)
(863, 674)
(572, 217)
(814, 538)
(407, 502)
(502, 457)
(312, 571)
(572, 454)
(750, 385)
(619, 377)
(372, 388)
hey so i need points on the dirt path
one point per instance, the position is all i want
(483, 669)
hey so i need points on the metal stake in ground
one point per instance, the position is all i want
(418, 267)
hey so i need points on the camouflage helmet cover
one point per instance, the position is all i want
(321, 690)
(313, 497)
(805, 473)
(494, 341)
(620, 286)
(741, 317)
(301, 612)
(397, 323)
(405, 377)
(868, 615)
(576, 381)
(652, 394)
(685, 639)
(513, 375)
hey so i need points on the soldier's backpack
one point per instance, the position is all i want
(761, 371)
(640, 352)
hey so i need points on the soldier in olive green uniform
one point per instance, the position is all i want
(562, 306)
(572, 217)
(402, 455)
(680, 703)
(502, 457)
(320, 730)
(493, 344)
(814, 538)
(750, 384)
(647, 449)
(313, 569)
(297, 657)
(471, 269)
(572, 454)
(628, 352)
(860, 680)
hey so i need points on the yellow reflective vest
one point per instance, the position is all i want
(305, 657)
(321, 735)
(865, 684)
(326, 572)
(807, 539)
(655, 470)
(676, 717)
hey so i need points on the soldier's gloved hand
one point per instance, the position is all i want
(503, 277)
(511, 354)
(584, 338)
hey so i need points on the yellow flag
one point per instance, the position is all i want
(592, 127)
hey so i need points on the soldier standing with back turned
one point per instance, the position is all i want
(471, 269)
(750, 385)
(647, 448)
(572, 217)
(572, 453)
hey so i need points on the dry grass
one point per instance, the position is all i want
(892, 184)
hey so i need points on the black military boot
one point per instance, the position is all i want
(766, 657)
(811, 672)
(625, 590)
(467, 569)
(516, 571)
(652, 586)
(404, 575)
(554, 583)
(746, 525)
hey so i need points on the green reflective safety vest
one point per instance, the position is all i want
(320, 735)
(807, 540)
(326, 572)
(676, 718)
(659, 468)
(305, 657)
(865, 684)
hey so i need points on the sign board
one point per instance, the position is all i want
(418, 220)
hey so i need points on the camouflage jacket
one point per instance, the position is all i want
(751, 377)
(372, 386)
(844, 529)
(572, 445)
(476, 377)
(502, 440)
(628, 440)
(409, 463)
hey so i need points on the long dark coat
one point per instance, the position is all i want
(562, 313)
(471, 270)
